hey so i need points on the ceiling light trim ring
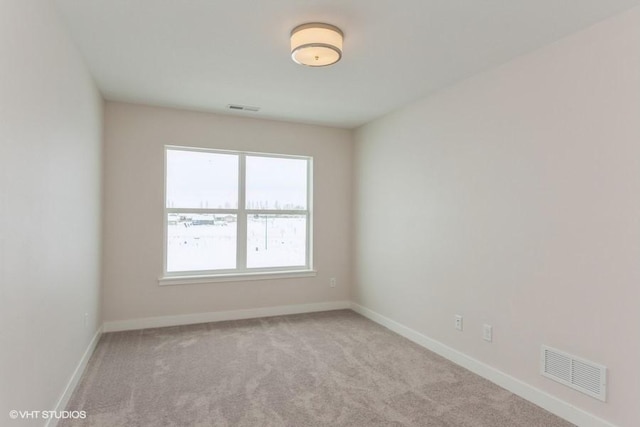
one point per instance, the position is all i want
(317, 25)
(308, 45)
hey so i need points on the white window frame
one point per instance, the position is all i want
(241, 272)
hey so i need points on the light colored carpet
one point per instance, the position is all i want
(323, 369)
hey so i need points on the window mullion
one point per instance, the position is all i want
(241, 245)
(309, 251)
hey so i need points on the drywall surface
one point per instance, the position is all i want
(50, 208)
(135, 137)
(513, 199)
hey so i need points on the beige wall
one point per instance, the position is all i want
(513, 199)
(50, 209)
(135, 137)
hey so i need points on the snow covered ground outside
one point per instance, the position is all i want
(208, 241)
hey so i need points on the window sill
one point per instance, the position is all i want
(234, 277)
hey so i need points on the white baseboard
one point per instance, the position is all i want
(75, 378)
(217, 316)
(550, 403)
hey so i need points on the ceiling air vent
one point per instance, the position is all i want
(582, 375)
(238, 107)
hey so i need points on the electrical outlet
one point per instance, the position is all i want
(458, 322)
(332, 282)
(487, 332)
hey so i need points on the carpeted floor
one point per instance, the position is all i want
(322, 369)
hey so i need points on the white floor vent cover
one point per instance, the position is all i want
(582, 375)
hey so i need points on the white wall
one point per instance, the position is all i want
(50, 203)
(513, 199)
(135, 137)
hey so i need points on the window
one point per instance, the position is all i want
(232, 213)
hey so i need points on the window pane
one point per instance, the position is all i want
(276, 240)
(276, 183)
(203, 180)
(201, 242)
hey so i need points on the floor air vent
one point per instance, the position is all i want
(582, 375)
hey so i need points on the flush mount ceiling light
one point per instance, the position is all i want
(316, 44)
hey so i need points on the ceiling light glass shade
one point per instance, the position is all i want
(316, 45)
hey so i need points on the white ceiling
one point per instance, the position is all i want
(205, 54)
